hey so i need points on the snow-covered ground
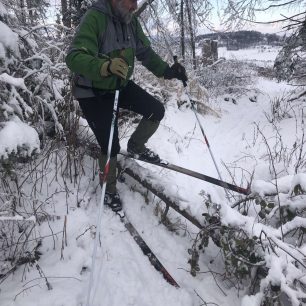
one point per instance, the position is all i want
(259, 55)
(124, 275)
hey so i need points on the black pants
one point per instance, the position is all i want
(98, 112)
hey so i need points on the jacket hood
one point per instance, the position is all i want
(104, 6)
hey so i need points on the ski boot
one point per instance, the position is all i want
(113, 201)
(145, 155)
(136, 144)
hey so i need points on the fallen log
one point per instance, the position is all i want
(142, 176)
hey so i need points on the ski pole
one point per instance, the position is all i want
(202, 130)
(105, 174)
(206, 140)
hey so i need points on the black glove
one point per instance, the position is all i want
(176, 71)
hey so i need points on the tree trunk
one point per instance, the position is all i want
(143, 7)
(65, 15)
(22, 9)
(191, 32)
(182, 30)
(30, 11)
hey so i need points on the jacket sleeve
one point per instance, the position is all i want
(146, 55)
(82, 56)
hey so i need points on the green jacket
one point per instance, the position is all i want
(101, 36)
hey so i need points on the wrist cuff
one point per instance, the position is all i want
(105, 69)
(108, 67)
(168, 74)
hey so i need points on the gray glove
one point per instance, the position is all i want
(117, 66)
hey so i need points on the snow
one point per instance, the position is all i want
(254, 300)
(17, 82)
(17, 218)
(3, 10)
(8, 39)
(299, 179)
(2, 51)
(261, 187)
(123, 275)
(16, 135)
(259, 55)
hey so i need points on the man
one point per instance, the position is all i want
(102, 56)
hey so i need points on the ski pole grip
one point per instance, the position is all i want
(118, 82)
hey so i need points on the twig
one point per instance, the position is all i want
(245, 199)
(24, 291)
(289, 253)
(276, 182)
(218, 284)
(205, 303)
(52, 277)
(212, 273)
(89, 228)
(64, 238)
(42, 274)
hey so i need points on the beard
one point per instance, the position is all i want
(122, 13)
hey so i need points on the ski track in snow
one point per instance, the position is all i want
(124, 275)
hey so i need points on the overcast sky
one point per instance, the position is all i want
(261, 17)
(217, 23)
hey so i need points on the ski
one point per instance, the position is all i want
(146, 249)
(191, 173)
